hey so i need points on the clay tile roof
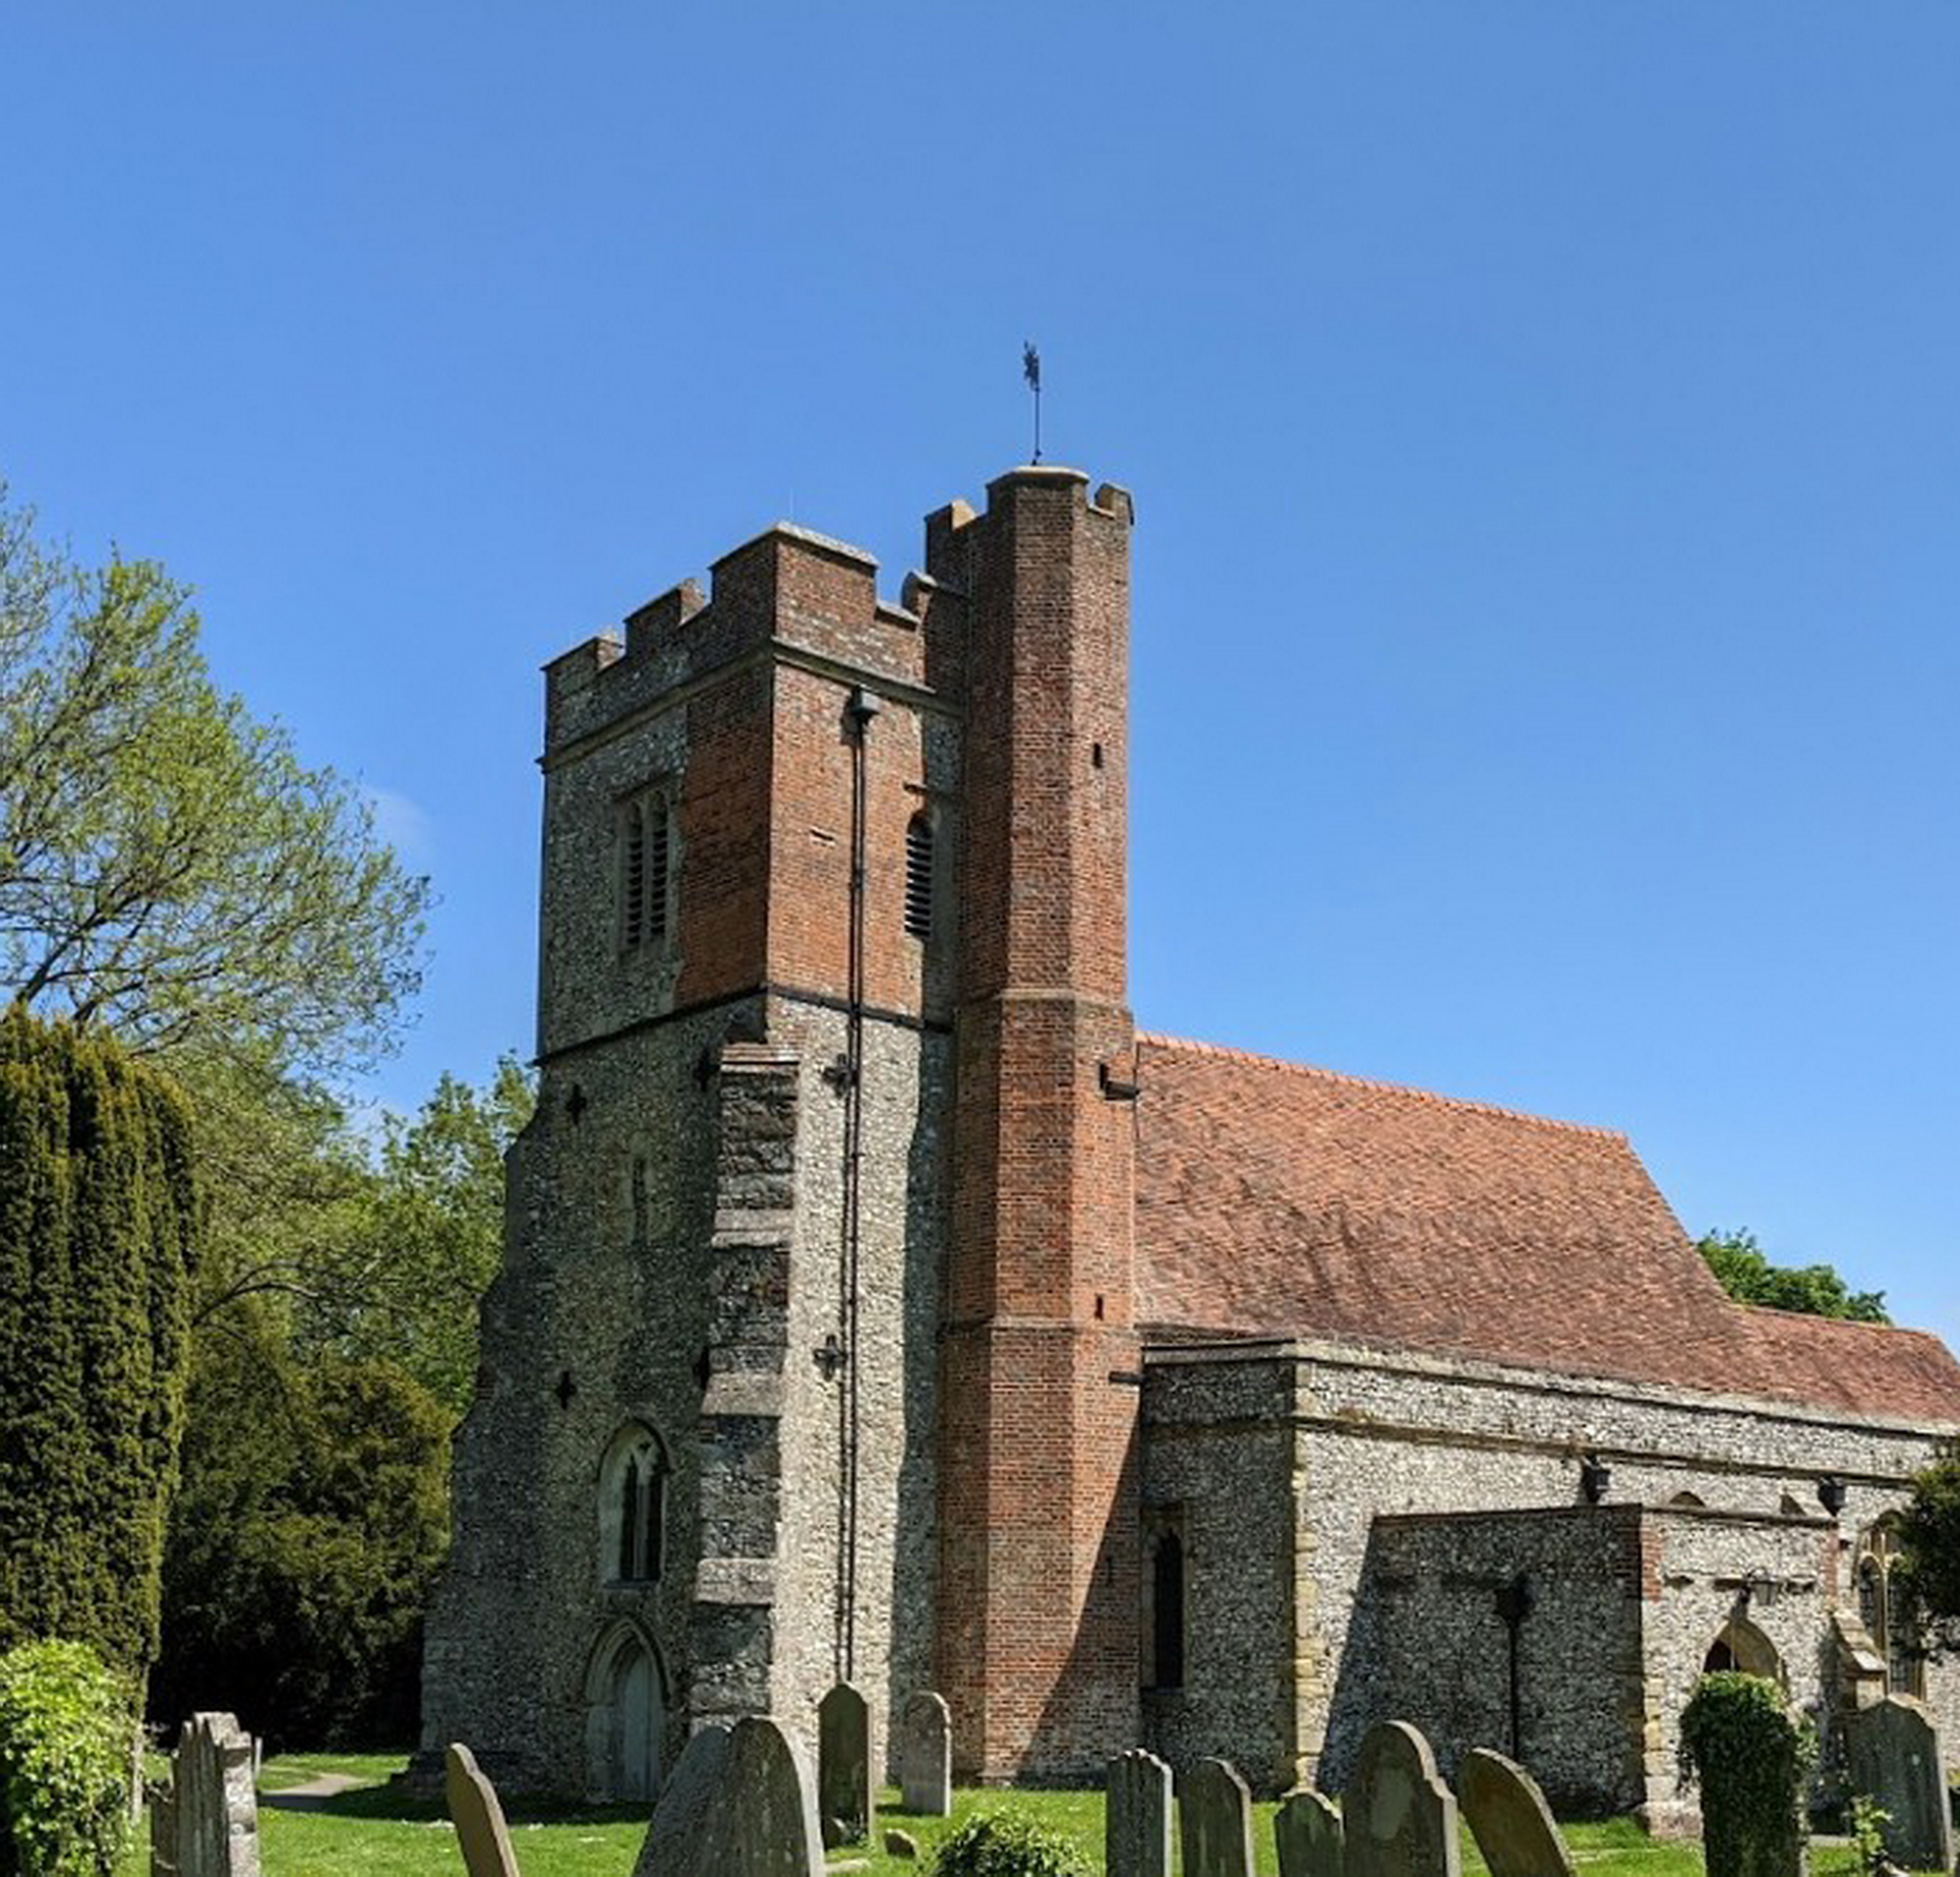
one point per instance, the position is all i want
(1274, 1200)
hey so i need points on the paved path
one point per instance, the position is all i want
(311, 1795)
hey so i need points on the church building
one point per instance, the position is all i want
(879, 1304)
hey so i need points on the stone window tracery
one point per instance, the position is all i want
(1885, 1613)
(632, 1507)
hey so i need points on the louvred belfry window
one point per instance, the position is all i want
(646, 848)
(918, 876)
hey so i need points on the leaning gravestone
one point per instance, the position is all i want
(1895, 1759)
(479, 1816)
(207, 1825)
(844, 1766)
(1307, 1829)
(1214, 1815)
(1136, 1817)
(674, 1836)
(762, 1820)
(1508, 1817)
(925, 1756)
(1400, 1818)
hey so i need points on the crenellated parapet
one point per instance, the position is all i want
(802, 595)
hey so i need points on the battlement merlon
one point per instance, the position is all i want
(949, 542)
(789, 587)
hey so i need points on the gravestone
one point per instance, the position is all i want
(1894, 1752)
(1400, 1819)
(1509, 1819)
(925, 1756)
(207, 1824)
(1136, 1817)
(479, 1816)
(673, 1842)
(762, 1821)
(1307, 1829)
(1214, 1817)
(844, 1766)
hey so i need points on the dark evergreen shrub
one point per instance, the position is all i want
(65, 1724)
(98, 1231)
(1750, 1757)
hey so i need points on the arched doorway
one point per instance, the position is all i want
(1744, 1647)
(625, 1711)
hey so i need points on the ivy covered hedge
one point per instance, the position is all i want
(1751, 1757)
(98, 1218)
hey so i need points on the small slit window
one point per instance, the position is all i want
(918, 875)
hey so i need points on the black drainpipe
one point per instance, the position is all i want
(861, 709)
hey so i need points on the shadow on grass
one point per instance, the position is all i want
(397, 1802)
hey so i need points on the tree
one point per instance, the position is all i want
(1929, 1536)
(312, 1520)
(169, 869)
(424, 1239)
(98, 1216)
(1815, 1290)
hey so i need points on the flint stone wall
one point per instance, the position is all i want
(1337, 1438)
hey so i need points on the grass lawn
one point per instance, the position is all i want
(371, 1831)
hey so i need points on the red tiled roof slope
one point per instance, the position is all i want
(1277, 1199)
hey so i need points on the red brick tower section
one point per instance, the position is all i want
(1039, 1594)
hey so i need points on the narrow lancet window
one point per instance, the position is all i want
(656, 814)
(918, 876)
(1167, 1611)
(633, 878)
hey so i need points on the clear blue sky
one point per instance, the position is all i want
(1542, 419)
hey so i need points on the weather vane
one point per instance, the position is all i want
(1031, 371)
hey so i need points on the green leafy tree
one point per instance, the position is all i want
(1929, 1535)
(1814, 1289)
(98, 1218)
(169, 869)
(423, 1241)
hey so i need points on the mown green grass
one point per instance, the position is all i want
(372, 1831)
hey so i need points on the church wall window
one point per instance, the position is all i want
(1886, 1614)
(1164, 1583)
(644, 842)
(919, 878)
(632, 1507)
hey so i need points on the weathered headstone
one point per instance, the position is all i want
(844, 1766)
(1136, 1817)
(901, 1844)
(1307, 1830)
(1508, 1817)
(479, 1816)
(673, 1842)
(925, 1755)
(207, 1825)
(1400, 1819)
(762, 1821)
(1894, 1754)
(1214, 1816)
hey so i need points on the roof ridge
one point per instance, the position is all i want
(1850, 1323)
(1252, 1059)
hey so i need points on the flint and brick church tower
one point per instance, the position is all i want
(814, 1352)
(878, 1304)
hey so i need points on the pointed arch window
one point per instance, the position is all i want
(919, 844)
(632, 1507)
(1887, 1613)
(646, 867)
